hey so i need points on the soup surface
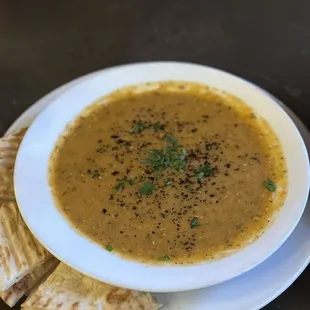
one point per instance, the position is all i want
(173, 172)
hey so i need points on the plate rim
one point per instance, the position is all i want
(32, 160)
(39, 106)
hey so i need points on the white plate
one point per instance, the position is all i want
(31, 180)
(252, 290)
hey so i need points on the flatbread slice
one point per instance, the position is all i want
(9, 146)
(12, 295)
(20, 252)
(8, 150)
(67, 289)
(6, 183)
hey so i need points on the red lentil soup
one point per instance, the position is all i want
(169, 171)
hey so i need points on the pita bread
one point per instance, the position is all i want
(9, 146)
(6, 183)
(20, 252)
(67, 289)
(8, 150)
(28, 282)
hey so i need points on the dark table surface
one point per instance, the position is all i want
(44, 44)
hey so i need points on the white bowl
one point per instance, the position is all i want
(55, 233)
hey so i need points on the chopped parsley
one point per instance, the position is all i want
(168, 182)
(139, 127)
(109, 247)
(171, 139)
(194, 223)
(94, 174)
(190, 189)
(147, 189)
(122, 183)
(165, 257)
(270, 185)
(158, 126)
(172, 156)
(205, 171)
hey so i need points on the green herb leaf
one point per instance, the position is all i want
(168, 182)
(109, 247)
(147, 189)
(171, 156)
(122, 183)
(96, 175)
(204, 171)
(139, 127)
(165, 257)
(190, 189)
(171, 139)
(131, 182)
(158, 126)
(158, 175)
(194, 223)
(270, 185)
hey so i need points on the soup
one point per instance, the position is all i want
(169, 172)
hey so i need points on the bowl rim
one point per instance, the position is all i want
(69, 246)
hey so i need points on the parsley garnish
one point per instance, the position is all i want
(109, 247)
(194, 223)
(96, 175)
(165, 257)
(168, 182)
(158, 126)
(122, 183)
(139, 127)
(147, 189)
(270, 185)
(172, 156)
(204, 171)
(171, 139)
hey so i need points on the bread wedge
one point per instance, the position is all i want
(30, 281)
(20, 252)
(67, 289)
(8, 150)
